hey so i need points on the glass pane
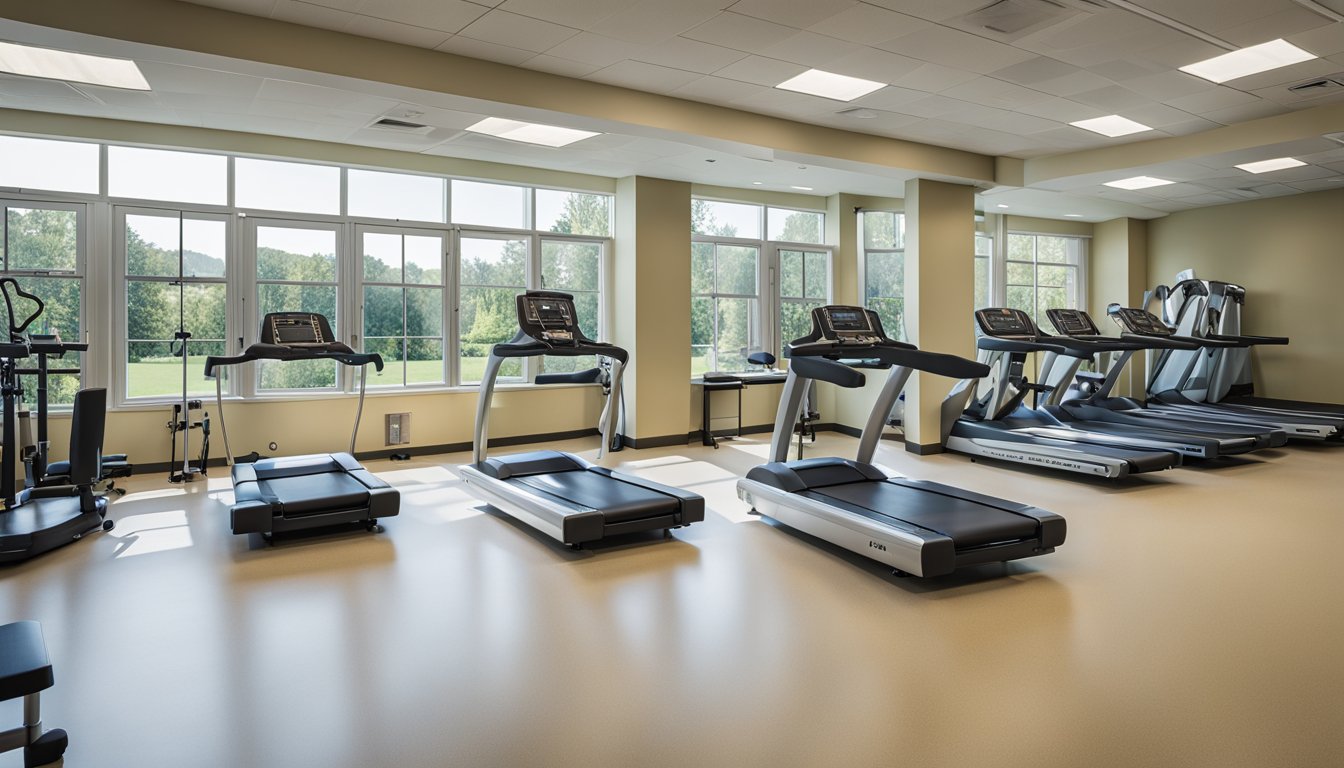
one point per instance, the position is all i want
(61, 299)
(491, 205)
(204, 247)
(1050, 298)
(586, 304)
(394, 364)
(157, 174)
(424, 259)
(152, 310)
(883, 229)
(405, 196)
(383, 314)
(297, 374)
(424, 361)
(700, 359)
(42, 239)
(495, 262)
(152, 245)
(796, 226)
(738, 333)
(1022, 297)
(292, 253)
(61, 389)
(791, 274)
(737, 269)
(204, 308)
(568, 364)
(981, 283)
(710, 217)
(891, 311)
(817, 276)
(154, 368)
(65, 166)
(281, 186)
(573, 213)
(487, 316)
(795, 320)
(1020, 274)
(984, 245)
(424, 312)
(298, 298)
(885, 275)
(382, 257)
(1054, 250)
(702, 267)
(702, 321)
(1053, 277)
(571, 266)
(1021, 247)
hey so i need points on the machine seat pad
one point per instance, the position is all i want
(24, 666)
(807, 474)
(968, 523)
(296, 466)
(618, 501)
(314, 494)
(531, 463)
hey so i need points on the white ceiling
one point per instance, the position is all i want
(952, 84)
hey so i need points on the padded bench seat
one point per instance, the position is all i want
(302, 492)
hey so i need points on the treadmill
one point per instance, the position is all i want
(917, 527)
(569, 499)
(1095, 410)
(989, 417)
(1165, 393)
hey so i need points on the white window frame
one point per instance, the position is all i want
(1081, 268)
(778, 291)
(445, 237)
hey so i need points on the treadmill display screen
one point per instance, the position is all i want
(294, 330)
(1142, 322)
(1072, 322)
(549, 312)
(1005, 322)
(849, 320)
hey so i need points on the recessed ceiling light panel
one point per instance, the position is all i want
(1139, 182)
(1277, 164)
(72, 67)
(1111, 125)
(1249, 61)
(530, 133)
(829, 85)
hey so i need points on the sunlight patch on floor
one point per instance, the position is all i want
(152, 532)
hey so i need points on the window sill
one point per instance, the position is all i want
(293, 395)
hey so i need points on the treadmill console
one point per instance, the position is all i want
(1005, 322)
(299, 330)
(1139, 321)
(549, 317)
(1072, 322)
(847, 325)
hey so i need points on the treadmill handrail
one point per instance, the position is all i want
(1244, 340)
(535, 348)
(1000, 344)
(887, 355)
(273, 352)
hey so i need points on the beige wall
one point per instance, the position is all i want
(1286, 252)
(1118, 272)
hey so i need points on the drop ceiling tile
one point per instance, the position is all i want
(1178, 53)
(1193, 125)
(889, 98)
(1113, 97)
(1244, 112)
(990, 92)
(1001, 119)
(479, 49)
(1158, 115)
(595, 49)
(1286, 76)
(644, 77)
(931, 106)
(718, 90)
(933, 10)
(1079, 81)
(340, 5)
(933, 78)
(1295, 175)
(811, 49)
(790, 104)
(250, 7)
(869, 25)
(792, 13)
(1327, 40)
(558, 66)
(1060, 110)
(1281, 23)
(310, 15)
(182, 79)
(445, 15)
(1220, 97)
(761, 71)
(200, 102)
(873, 64)
(954, 48)
(1319, 185)
(1068, 138)
(651, 21)
(308, 113)
(395, 31)
(690, 55)
(1171, 84)
(581, 14)
(504, 28)
(732, 30)
(1121, 70)
(319, 96)
(1035, 70)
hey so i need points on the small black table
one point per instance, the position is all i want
(727, 382)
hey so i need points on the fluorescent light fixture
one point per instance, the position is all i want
(1277, 164)
(805, 189)
(73, 67)
(1112, 125)
(1073, 215)
(757, 183)
(830, 85)
(530, 133)
(1001, 205)
(1139, 182)
(1249, 61)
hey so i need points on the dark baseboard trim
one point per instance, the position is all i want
(660, 441)
(923, 450)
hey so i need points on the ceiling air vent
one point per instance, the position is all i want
(1013, 19)
(1321, 86)
(400, 126)
(1337, 136)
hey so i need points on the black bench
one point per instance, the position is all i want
(25, 671)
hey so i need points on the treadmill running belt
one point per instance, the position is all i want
(617, 501)
(967, 523)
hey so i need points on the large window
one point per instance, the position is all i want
(1043, 272)
(732, 314)
(403, 303)
(984, 256)
(297, 271)
(493, 271)
(43, 251)
(884, 268)
(61, 166)
(176, 264)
